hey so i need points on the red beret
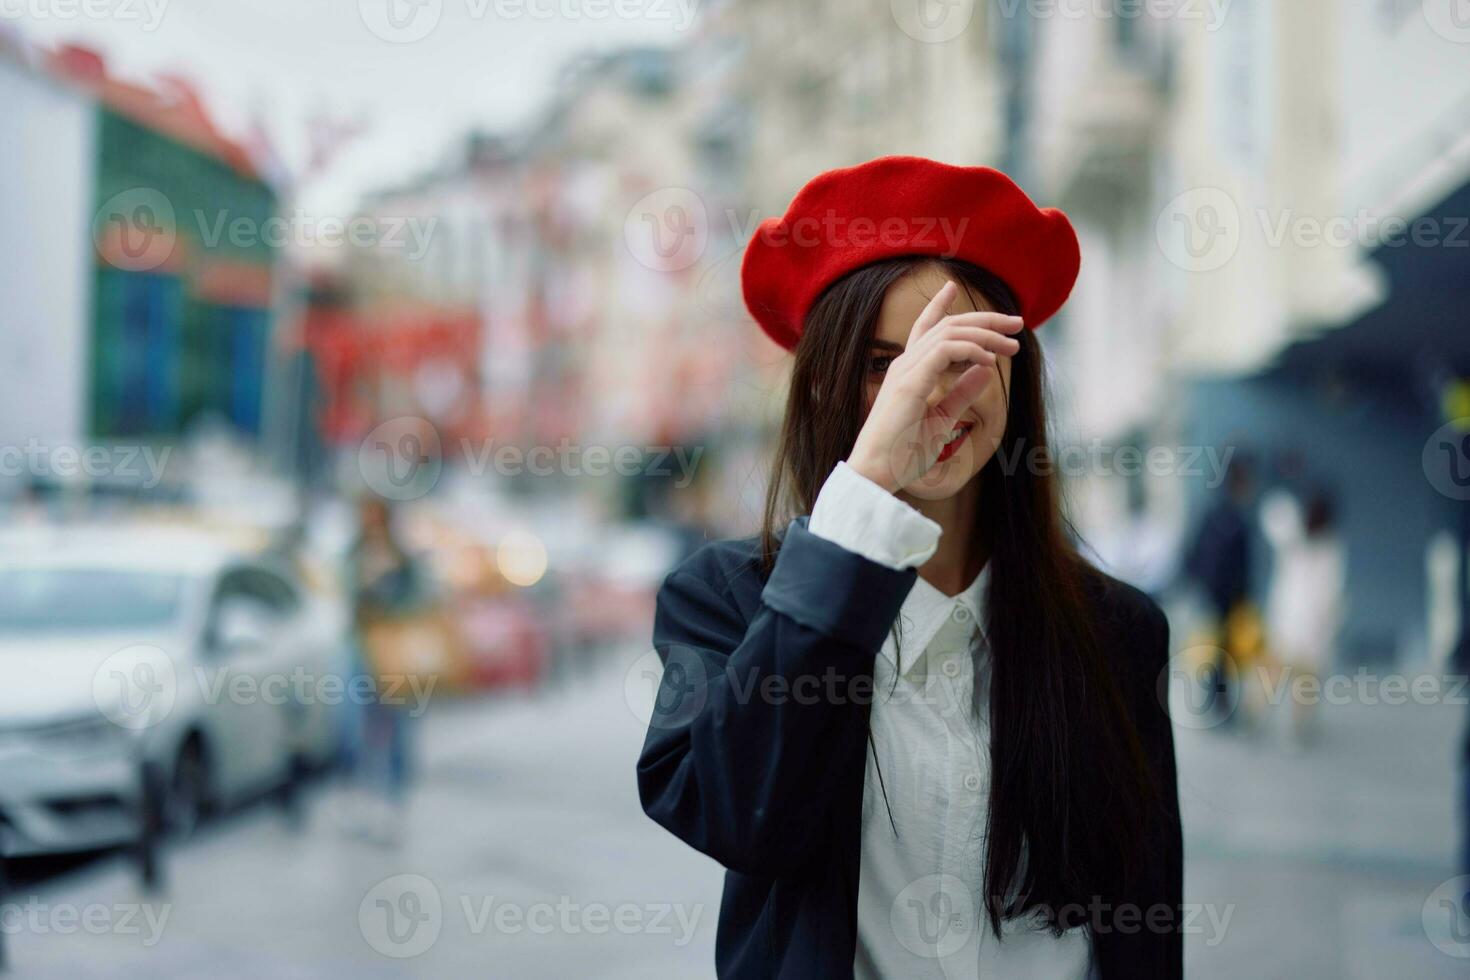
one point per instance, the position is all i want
(895, 206)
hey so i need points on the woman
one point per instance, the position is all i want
(922, 734)
(1304, 606)
(387, 587)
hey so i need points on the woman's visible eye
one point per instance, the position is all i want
(880, 363)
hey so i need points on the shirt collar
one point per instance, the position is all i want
(926, 610)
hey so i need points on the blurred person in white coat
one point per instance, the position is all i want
(1304, 606)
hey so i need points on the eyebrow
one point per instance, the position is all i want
(881, 344)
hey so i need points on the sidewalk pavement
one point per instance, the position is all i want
(1324, 856)
(526, 855)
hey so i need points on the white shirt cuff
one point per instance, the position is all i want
(857, 514)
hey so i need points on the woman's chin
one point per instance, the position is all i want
(947, 477)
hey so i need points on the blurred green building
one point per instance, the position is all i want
(188, 336)
(140, 260)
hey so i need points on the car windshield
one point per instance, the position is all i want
(61, 599)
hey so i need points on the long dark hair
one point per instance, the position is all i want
(1070, 785)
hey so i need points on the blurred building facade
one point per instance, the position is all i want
(136, 304)
(831, 89)
(601, 328)
(1229, 171)
(48, 206)
(1233, 182)
(1233, 175)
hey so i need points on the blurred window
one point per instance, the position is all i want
(86, 598)
(250, 605)
(261, 587)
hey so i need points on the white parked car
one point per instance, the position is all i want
(166, 645)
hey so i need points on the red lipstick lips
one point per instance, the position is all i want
(953, 446)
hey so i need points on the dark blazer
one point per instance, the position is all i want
(756, 750)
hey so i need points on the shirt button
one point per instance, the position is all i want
(951, 668)
(962, 614)
(972, 782)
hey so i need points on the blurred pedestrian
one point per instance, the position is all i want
(1218, 561)
(1304, 605)
(387, 588)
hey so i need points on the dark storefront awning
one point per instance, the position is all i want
(1424, 323)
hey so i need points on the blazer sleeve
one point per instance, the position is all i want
(1147, 939)
(760, 718)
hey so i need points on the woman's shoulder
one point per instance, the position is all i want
(726, 564)
(1131, 622)
(714, 591)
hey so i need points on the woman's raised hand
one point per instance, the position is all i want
(910, 419)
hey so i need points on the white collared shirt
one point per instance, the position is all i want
(921, 912)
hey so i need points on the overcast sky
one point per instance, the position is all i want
(419, 71)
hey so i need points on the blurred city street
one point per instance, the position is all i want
(368, 366)
(1323, 856)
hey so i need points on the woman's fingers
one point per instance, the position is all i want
(934, 311)
(964, 391)
(997, 323)
(937, 359)
(1002, 322)
(987, 338)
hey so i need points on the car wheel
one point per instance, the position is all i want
(188, 791)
